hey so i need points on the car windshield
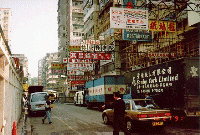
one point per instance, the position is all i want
(38, 97)
(144, 104)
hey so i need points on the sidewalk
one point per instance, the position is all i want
(24, 127)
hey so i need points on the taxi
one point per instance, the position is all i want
(140, 113)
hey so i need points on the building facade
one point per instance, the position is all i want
(11, 82)
(168, 34)
(5, 21)
(45, 76)
(62, 46)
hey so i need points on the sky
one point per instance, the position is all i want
(33, 29)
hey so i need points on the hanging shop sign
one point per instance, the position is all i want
(81, 67)
(94, 56)
(76, 41)
(125, 18)
(16, 62)
(75, 72)
(161, 55)
(74, 48)
(57, 72)
(137, 35)
(167, 26)
(57, 66)
(78, 77)
(78, 82)
(97, 48)
(78, 61)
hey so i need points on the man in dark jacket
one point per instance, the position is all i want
(119, 112)
(47, 109)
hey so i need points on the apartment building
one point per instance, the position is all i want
(45, 76)
(61, 18)
(169, 32)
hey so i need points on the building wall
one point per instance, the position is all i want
(62, 28)
(10, 91)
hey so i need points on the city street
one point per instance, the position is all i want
(69, 119)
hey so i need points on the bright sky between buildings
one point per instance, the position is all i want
(33, 29)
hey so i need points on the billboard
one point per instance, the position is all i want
(125, 18)
(93, 56)
(168, 26)
(57, 68)
(137, 35)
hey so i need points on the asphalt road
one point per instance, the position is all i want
(74, 120)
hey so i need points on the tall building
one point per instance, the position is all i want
(45, 76)
(62, 47)
(70, 25)
(74, 23)
(165, 31)
(5, 22)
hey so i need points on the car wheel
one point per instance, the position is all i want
(129, 125)
(105, 119)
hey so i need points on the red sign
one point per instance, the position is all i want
(93, 56)
(16, 62)
(78, 82)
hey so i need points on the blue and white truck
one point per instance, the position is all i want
(101, 90)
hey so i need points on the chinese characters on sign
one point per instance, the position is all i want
(97, 48)
(162, 26)
(154, 80)
(74, 48)
(58, 69)
(137, 35)
(94, 56)
(125, 18)
(94, 45)
(78, 61)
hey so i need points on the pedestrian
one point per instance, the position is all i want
(48, 110)
(119, 112)
(25, 101)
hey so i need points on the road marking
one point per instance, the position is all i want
(66, 124)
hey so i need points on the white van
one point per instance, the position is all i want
(37, 102)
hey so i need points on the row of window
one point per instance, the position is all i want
(78, 34)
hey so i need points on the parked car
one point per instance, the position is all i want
(140, 113)
(37, 102)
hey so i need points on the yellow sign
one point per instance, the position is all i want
(168, 26)
(25, 87)
(57, 66)
(74, 48)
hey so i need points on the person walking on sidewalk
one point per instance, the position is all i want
(48, 110)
